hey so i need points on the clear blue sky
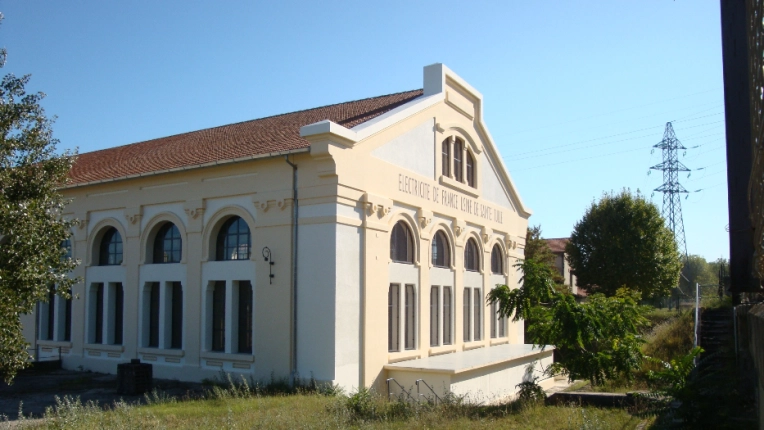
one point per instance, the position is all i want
(576, 92)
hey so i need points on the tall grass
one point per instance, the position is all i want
(240, 404)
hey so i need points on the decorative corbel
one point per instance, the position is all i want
(459, 227)
(284, 203)
(261, 206)
(194, 213)
(485, 234)
(133, 215)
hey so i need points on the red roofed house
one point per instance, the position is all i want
(561, 263)
(353, 243)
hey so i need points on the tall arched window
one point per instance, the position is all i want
(167, 244)
(471, 259)
(458, 154)
(234, 240)
(470, 161)
(401, 244)
(441, 256)
(496, 261)
(446, 162)
(110, 248)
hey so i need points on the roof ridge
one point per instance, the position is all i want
(249, 120)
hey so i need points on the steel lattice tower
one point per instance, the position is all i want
(671, 188)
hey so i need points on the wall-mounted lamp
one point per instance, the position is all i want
(267, 257)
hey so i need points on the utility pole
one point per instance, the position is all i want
(671, 188)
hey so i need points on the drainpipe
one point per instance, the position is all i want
(295, 214)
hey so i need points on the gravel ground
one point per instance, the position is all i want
(33, 392)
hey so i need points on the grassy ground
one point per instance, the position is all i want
(320, 411)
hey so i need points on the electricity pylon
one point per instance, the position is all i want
(671, 188)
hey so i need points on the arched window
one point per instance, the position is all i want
(470, 161)
(458, 154)
(111, 248)
(471, 259)
(496, 261)
(446, 162)
(234, 240)
(401, 244)
(167, 244)
(440, 250)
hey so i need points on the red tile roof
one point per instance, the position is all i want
(557, 245)
(245, 139)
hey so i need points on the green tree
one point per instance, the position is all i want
(32, 229)
(622, 241)
(596, 340)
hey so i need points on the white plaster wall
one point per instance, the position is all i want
(348, 306)
(413, 150)
(149, 212)
(98, 216)
(493, 190)
(214, 205)
(316, 301)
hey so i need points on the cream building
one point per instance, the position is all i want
(406, 218)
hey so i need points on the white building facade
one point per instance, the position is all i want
(352, 243)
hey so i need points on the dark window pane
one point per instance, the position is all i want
(471, 261)
(167, 244)
(458, 150)
(234, 240)
(393, 319)
(470, 170)
(434, 317)
(466, 320)
(68, 320)
(446, 161)
(447, 309)
(51, 312)
(110, 252)
(176, 332)
(119, 302)
(218, 317)
(245, 317)
(154, 315)
(98, 326)
(496, 260)
(401, 244)
(440, 250)
(477, 314)
(410, 317)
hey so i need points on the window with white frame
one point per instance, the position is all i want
(401, 244)
(498, 325)
(167, 244)
(471, 256)
(441, 315)
(235, 317)
(163, 315)
(234, 241)
(110, 249)
(458, 162)
(441, 250)
(397, 325)
(106, 313)
(497, 260)
(472, 314)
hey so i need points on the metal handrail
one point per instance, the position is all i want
(437, 398)
(400, 386)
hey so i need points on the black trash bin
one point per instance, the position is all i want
(134, 377)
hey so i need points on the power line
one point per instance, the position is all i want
(620, 110)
